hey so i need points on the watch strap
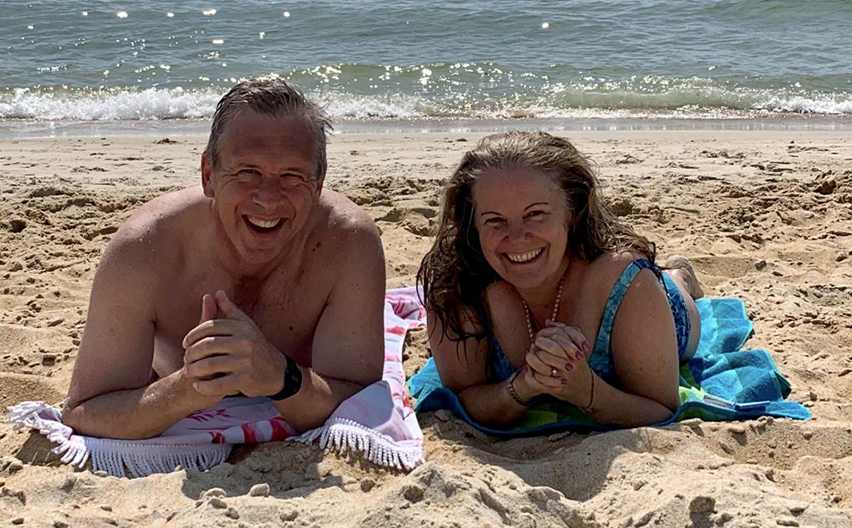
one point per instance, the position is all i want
(292, 381)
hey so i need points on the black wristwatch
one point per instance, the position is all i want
(292, 381)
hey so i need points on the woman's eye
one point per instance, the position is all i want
(536, 215)
(494, 222)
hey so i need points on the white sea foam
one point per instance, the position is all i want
(363, 107)
(120, 106)
(154, 104)
(804, 105)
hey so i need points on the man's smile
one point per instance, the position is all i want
(262, 225)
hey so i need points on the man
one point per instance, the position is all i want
(258, 283)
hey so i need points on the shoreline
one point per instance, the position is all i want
(37, 129)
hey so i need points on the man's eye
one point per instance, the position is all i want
(248, 172)
(293, 176)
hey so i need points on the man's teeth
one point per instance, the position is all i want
(260, 222)
(524, 257)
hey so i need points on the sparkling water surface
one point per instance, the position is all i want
(79, 60)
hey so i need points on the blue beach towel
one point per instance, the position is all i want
(721, 382)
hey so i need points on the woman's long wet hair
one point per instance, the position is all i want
(454, 273)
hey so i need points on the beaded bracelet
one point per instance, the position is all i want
(514, 394)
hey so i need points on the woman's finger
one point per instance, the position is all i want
(568, 345)
(563, 349)
(572, 332)
(547, 364)
(548, 382)
(535, 363)
(549, 358)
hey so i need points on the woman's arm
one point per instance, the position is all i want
(462, 367)
(644, 353)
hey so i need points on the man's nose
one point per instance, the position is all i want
(267, 193)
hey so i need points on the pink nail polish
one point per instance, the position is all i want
(564, 381)
(569, 367)
(586, 346)
(580, 356)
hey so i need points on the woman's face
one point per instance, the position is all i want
(521, 216)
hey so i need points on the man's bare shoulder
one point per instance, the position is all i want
(344, 213)
(155, 231)
(347, 222)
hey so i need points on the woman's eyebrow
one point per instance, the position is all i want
(483, 213)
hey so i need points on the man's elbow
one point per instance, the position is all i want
(374, 373)
(81, 420)
(367, 375)
(71, 416)
(75, 417)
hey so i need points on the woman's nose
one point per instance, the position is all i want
(516, 230)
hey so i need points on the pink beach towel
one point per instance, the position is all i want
(379, 422)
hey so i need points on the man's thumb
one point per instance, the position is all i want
(228, 309)
(208, 308)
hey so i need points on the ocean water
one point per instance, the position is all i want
(123, 61)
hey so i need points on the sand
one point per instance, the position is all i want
(766, 217)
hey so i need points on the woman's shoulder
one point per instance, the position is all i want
(614, 262)
(608, 267)
(502, 303)
(498, 291)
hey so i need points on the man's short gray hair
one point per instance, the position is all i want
(275, 98)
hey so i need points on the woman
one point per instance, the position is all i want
(533, 288)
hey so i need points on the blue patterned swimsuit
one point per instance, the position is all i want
(601, 358)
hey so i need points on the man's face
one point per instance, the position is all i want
(264, 186)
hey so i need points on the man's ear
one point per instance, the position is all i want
(320, 181)
(206, 175)
(319, 185)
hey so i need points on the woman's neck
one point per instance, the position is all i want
(542, 299)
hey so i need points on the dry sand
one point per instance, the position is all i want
(766, 217)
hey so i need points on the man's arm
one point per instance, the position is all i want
(348, 347)
(109, 394)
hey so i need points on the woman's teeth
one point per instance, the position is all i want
(520, 258)
(260, 222)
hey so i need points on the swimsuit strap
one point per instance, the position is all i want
(600, 360)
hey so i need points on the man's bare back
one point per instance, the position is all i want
(211, 289)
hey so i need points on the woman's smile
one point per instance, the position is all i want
(525, 258)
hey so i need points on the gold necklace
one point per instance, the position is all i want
(555, 307)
